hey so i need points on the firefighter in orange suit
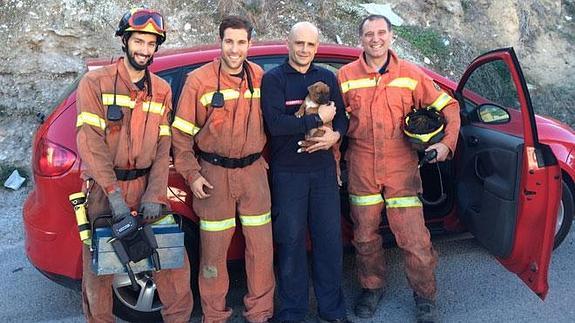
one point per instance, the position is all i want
(219, 115)
(123, 138)
(379, 90)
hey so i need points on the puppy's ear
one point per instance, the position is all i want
(310, 88)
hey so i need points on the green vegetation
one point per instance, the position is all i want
(427, 41)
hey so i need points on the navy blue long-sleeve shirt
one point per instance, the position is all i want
(283, 90)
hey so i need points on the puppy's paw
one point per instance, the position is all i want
(299, 114)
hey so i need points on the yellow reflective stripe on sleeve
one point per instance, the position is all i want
(358, 84)
(255, 220)
(153, 107)
(406, 201)
(217, 225)
(229, 94)
(168, 219)
(165, 130)
(256, 95)
(404, 82)
(185, 126)
(365, 200)
(441, 101)
(90, 119)
(121, 100)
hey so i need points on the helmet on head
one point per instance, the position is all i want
(143, 20)
(424, 127)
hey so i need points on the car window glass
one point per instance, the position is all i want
(492, 83)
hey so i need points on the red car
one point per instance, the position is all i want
(511, 183)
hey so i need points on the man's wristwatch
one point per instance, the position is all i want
(318, 121)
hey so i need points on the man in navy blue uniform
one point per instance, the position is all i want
(305, 194)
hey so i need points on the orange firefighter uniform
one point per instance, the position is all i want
(234, 133)
(140, 140)
(383, 166)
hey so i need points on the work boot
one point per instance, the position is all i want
(367, 302)
(426, 311)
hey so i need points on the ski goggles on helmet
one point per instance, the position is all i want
(140, 20)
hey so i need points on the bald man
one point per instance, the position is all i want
(305, 194)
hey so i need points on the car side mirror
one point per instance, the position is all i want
(490, 114)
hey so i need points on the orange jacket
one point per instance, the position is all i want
(140, 140)
(236, 130)
(377, 105)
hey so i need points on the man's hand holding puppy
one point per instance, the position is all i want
(325, 142)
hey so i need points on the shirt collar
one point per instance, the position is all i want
(287, 68)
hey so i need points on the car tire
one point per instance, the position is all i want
(564, 214)
(143, 304)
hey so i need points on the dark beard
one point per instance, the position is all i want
(135, 64)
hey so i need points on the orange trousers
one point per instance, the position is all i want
(173, 285)
(245, 191)
(405, 216)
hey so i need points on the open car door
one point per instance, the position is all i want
(508, 183)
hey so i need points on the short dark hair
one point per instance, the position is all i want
(371, 18)
(236, 22)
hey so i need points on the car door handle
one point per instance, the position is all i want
(472, 141)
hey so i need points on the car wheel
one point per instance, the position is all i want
(144, 305)
(140, 305)
(564, 214)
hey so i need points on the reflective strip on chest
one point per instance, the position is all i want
(255, 220)
(358, 84)
(222, 225)
(400, 202)
(165, 130)
(185, 126)
(403, 82)
(127, 102)
(90, 119)
(229, 94)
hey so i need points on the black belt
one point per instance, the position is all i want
(130, 174)
(229, 162)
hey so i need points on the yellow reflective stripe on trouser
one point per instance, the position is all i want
(255, 220)
(185, 126)
(441, 101)
(217, 225)
(121, 100)
(406, 201)
(358, 84)
(165, 130)
(365, 200)
(404, 82)
(229, 94)
(168, 219)
(90, 119)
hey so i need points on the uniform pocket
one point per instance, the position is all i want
(400, 103)
(358, 118)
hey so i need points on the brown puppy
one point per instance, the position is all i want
(318, 95)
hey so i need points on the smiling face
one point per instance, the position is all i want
(376, 38)
(140, 49)
(234, 45)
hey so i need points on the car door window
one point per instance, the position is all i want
(492, 83)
